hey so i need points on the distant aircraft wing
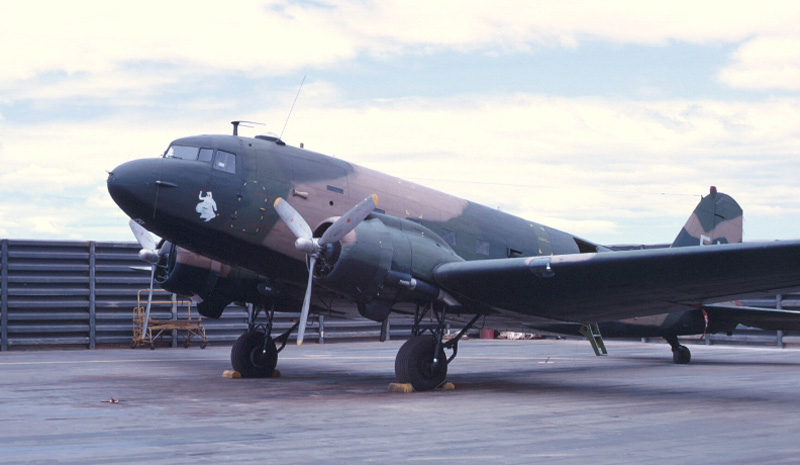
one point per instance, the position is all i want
(607, 286)
(757, 317)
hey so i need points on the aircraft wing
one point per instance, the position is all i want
(773, 319)
(607, 286)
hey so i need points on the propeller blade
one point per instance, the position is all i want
(149, 252)
(293, 220)
(349, 220)
(301, 329)
(311, 246)
(143, 236)
(149, 301)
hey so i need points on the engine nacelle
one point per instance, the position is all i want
(384, 260)
(212, 283)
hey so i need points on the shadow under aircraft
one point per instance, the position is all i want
(252, 219)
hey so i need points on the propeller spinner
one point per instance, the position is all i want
(312, 246)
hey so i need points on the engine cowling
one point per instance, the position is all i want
(210, 283)
(384, 260)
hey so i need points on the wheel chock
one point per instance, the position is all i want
(447, 386)
(406, 388)
(233, 374)
(403, 388)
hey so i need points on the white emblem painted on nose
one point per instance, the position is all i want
(207, 208)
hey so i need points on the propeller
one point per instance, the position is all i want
(311, 246)
(148, 253)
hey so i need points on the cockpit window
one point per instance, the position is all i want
(206, 155)
(181, 151)
(225, 161)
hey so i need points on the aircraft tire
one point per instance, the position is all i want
(681, 355)
(247, 357)
(414, 364)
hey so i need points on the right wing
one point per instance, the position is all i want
(606, 286)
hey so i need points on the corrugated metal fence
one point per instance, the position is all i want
(84, 293)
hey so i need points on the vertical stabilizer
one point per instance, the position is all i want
(717, 219)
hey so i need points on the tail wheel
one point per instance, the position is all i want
(414, 364)
(249, 358)
(681, 355)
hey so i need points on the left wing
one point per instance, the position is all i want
(757, 317)
(607, 286)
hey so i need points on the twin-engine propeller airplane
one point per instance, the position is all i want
(256, 220)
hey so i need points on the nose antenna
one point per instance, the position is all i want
(246, 124)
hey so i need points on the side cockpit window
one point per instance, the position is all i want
(225, 161)
(206, 155)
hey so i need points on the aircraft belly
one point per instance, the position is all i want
(649, 320)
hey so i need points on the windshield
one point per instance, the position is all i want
(224, 161)
(189, 153)
(181, 151)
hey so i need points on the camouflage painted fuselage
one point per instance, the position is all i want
(226, 212)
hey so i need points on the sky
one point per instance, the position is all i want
(607, 119)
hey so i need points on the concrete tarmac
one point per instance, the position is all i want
(515, 402)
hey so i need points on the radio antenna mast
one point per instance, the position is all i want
(291, 109)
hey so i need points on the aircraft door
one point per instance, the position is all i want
(245, 201)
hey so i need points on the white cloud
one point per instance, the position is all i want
(766, 63)
(93, 42)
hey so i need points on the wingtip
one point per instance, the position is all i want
(277, 201)
(375, 199)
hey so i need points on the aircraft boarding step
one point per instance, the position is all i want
(592, 333)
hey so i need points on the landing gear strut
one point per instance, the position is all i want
(255, 354)
(421, 361)
(681, 355)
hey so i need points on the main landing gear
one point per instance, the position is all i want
(681, 355)
(255, 353)
(421, 361)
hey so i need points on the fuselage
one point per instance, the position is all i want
(214, 195)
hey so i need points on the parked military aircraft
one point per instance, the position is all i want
(717, 219)
(295, 230)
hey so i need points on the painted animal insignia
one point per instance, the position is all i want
(207, 208)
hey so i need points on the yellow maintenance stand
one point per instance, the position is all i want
(156, 327)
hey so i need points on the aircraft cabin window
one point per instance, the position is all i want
(449, 237)
(482, 247)
(181, 151)
(225, 161)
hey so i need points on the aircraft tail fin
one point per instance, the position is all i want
(717, 219)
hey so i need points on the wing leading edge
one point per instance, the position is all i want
(616, 285)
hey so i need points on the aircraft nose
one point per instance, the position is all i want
(132, 186)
